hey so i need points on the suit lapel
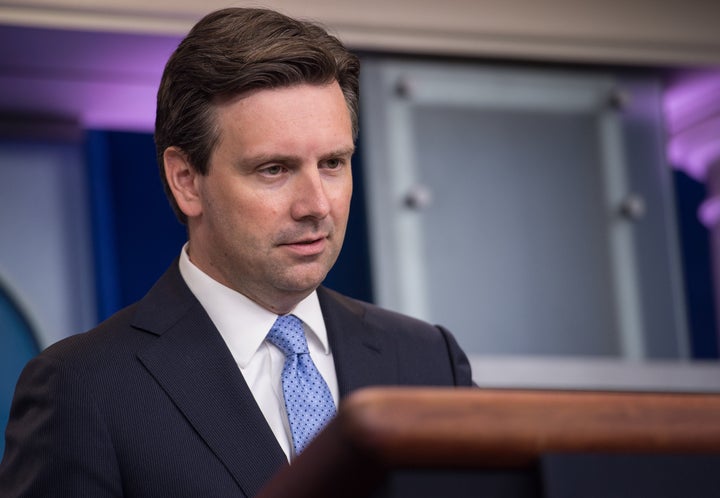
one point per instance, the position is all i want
(363, 354)
(191, 362)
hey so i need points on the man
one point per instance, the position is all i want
(188, 392)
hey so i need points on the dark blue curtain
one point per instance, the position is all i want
(697, 261)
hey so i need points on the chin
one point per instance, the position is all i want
(305, 283)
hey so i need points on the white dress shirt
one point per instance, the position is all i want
(243, 325)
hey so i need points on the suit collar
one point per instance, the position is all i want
(362, 353)
(191, 362)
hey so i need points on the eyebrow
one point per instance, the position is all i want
(287, 158)
(347, 151)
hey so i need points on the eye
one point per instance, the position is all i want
(272, 170)
(333, 163)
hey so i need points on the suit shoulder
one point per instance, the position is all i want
(415, 342)
(385, 319)
(109, 338)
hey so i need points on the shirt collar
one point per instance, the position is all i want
(242, 323)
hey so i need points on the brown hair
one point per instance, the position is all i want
(233, 51)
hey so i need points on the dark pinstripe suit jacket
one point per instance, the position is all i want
(151, 403)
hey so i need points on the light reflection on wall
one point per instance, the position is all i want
(97, 79)
(692, 110)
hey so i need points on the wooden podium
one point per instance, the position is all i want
(397, 442)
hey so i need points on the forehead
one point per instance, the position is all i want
(298, 116)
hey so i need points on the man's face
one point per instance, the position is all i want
(273, 208)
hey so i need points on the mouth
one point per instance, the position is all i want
(310, 246)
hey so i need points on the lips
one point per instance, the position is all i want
(307, 247)
(307, 241)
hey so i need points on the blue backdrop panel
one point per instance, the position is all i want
(17, 347)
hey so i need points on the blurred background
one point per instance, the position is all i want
(542, 177)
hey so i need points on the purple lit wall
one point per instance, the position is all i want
(692, 111)
(94, 79)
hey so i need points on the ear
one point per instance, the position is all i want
(182, 180)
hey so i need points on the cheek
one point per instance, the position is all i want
(249, 207)
(268, 204)
(258, 220)
(341, 199)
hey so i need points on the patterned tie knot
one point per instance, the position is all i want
(287, 334)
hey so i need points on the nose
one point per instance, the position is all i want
(311, 200)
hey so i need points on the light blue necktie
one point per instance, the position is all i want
(308, 401)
